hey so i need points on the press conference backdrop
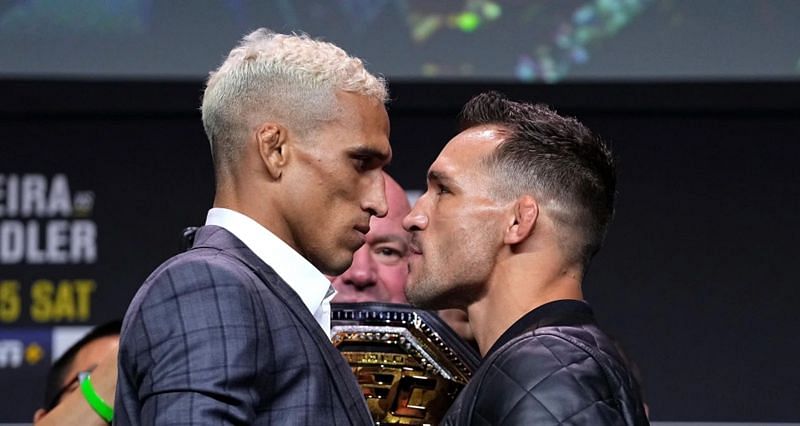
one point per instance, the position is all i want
(696, 279)
(520, 40)
(103, 161)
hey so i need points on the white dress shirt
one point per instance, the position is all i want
(314, 289)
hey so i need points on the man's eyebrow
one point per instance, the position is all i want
(390, 239)
(371, 153)
(439, 177)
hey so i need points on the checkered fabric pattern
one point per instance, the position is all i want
(214, 336)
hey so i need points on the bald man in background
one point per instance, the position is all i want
(380, 267)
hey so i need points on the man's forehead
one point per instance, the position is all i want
(465, 151)
(396, 198)
(92, 353)
(375, 145)
(388, 228)
(389, 234)
(479, 138)
(486, 132)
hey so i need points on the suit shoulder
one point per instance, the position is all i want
(200, 290)
(195, 271)
(200, 264)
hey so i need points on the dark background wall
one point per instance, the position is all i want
(696, 279)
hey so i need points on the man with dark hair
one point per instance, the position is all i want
(516, 206)
(96, 347)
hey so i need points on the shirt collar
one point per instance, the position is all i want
(308, 282)
(556, 313)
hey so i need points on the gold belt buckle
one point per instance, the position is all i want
(409, 364)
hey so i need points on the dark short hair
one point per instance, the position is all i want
(554, 158)
(57, 373)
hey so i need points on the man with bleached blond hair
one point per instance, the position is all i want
(236, 329)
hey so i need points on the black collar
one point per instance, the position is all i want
(559, 312)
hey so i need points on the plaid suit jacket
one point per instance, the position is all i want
(215, 336)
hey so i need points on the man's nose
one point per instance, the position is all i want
(375, 199)
(415, 220)
(362, 272)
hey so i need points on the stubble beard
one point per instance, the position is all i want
(434, 288)
(424, 291)
(332, 260)
(457, 273)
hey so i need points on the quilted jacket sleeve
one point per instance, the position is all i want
(544, 379)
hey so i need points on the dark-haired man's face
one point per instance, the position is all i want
(457, 225)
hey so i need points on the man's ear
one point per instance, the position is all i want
(526, 212)
(38, 415)
(271, 140)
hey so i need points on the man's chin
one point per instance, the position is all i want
(333, 266)
(417, 296)
(432, 295)
(354, 299)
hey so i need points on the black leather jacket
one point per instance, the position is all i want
(553, 367)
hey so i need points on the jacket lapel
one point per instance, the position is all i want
(344, 379)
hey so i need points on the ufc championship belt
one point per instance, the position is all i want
(409, 364)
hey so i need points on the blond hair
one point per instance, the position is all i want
(289, 78)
